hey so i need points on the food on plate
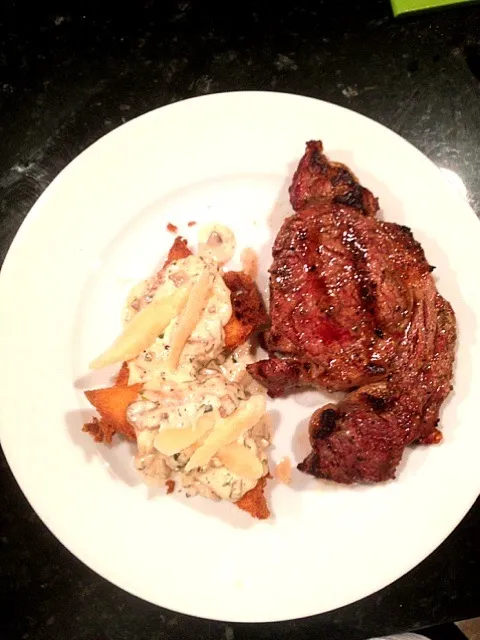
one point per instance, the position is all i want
(249, 261)
(354, 308)
(228, 429)
(183, 393)
(253, 502)
(316, 178)
(112, 404)
(364, 436)
(150, 321)
(246, 309)
(283, 470)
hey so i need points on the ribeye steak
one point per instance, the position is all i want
(354, 307)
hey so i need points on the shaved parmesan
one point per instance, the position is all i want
(241, 461)
(171, 441)
(189, 318)
(227, 430)
(143, 328)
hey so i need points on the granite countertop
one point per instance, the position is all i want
(70, 73)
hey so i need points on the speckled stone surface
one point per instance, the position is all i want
(70, 73)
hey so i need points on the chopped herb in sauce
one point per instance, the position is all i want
(199, 385)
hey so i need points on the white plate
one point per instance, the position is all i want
(101, 226)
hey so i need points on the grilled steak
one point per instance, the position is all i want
(316, 178)
(362, 439)
(339, 303)
(354, 307)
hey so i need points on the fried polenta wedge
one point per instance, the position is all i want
(111, 403)
(122, 376)
(249, 313)
(99, 429)
(254, 501)
(178, 250)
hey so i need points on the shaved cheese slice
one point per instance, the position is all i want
(194, 307)
(143, 328)
(171, 441)
(241, 461)
(228, 429)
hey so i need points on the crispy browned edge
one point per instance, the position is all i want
(178, 250)
(249, 315)
(111, 404)
(122, 376)
(254, 501)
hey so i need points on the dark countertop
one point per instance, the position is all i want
(69, 73)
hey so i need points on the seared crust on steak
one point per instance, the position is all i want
(354, 307)
(316, 178)
(338, 298)
(362, 439)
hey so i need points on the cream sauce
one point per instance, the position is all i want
(205, 379)
(206, 341)
(217, 241)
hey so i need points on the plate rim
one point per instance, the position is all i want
(40, 204)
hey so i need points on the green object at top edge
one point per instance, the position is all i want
(409, 6)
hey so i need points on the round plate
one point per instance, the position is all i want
(100, 227)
